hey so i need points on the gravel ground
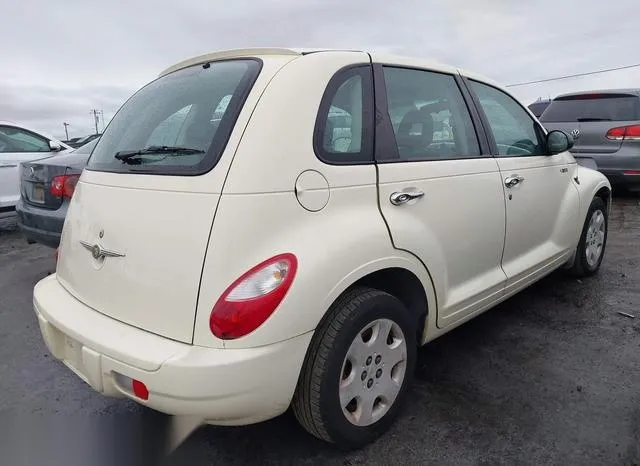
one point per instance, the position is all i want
(549, 377)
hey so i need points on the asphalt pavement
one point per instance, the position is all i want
(552, 376)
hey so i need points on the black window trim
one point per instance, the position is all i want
(364, 70)
(219, 139)
(35, 135)
(385, 137)
(541, 132)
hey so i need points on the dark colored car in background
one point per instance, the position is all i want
(538, 107)
(605, 126)
(46, 187)
(79, 142)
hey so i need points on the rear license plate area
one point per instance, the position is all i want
(37, 193)
(73, 355)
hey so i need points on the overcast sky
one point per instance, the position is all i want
(61, 59)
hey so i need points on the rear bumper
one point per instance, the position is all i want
(614, 165)
(222, 386)
(619, 179)
(41, 225)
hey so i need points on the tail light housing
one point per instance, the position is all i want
(624, 133)
(64, 185)
(253, 297)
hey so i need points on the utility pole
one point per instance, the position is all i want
(96, 117)
(66, 131)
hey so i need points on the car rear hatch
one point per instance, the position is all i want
(590, 117)
(138, 224)
(42, 182)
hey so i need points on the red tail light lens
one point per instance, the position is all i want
(627, 133)
(64, 185)
(140, 389)
(253, 297)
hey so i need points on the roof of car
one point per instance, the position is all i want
(275, 51)
(632, 91)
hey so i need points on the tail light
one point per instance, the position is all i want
(626, 133)
(64, 185)
(253, 297)
(140, 389)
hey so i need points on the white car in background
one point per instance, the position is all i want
(19, 143)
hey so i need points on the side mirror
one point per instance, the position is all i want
(558, 141)
(54, 146)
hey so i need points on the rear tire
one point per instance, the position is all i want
(357, 369)
(593, 240)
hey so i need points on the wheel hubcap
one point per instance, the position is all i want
(373, 372)
(595, 238)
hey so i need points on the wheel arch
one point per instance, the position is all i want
(591, 184)
(604, 193)
(405, 279)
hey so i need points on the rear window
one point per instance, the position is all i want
(87, 148)
(538, 108)
(178, 124)
(604, 107)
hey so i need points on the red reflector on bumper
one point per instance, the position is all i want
(140, 390)
(632, 172)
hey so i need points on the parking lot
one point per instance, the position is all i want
(552, 376)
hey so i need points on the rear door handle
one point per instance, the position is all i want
(513, 180)
(403, 197)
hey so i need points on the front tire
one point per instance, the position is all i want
(357, 369)
(593, 240)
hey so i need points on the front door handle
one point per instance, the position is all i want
(513, 180)
(403, 197)
(6, 165)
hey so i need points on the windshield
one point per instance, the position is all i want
(605, 107)
(193, 109)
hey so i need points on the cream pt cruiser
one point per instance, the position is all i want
(266, 228)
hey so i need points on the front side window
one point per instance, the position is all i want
(429, 116)
(179, 123)
(18, 140)
(514, 131)
(344, 125)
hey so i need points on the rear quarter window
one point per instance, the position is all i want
(193, 108)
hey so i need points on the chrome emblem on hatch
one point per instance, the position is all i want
(98, 252)
(575, 133)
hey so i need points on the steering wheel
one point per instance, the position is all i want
(524, 146)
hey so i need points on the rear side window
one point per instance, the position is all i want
(429, 116)
(344, 126)
(593, 107)
(18, 140)
(179, 123)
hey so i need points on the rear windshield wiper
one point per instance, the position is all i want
(593, 119)
(125, 155)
